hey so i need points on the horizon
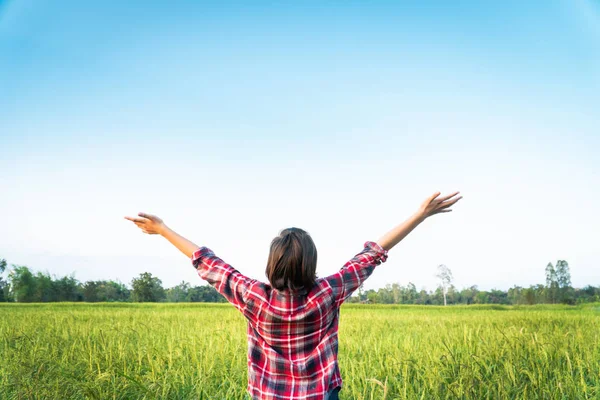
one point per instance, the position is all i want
(232, 123)
(203, 283)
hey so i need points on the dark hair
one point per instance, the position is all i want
(292, 260)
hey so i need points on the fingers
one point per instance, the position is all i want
(145, 229)
(433, 197)
(453, 201)
(442, 199)
(148, 216)
(140, 223)
(438, 205)
(448, 203)
(143, 218)
(137, 220)
(144, 224)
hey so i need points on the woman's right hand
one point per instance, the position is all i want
(148, 223)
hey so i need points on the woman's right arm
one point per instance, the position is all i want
(228, 281)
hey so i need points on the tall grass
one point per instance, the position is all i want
(198, 351)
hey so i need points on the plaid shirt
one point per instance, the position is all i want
(292, 336)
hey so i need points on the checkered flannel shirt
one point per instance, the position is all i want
(292, 335)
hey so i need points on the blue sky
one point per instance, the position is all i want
(233, 120)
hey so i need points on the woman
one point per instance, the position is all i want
(293, 319)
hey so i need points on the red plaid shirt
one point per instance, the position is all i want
(292, 336)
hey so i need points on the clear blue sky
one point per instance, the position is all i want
(233, 120)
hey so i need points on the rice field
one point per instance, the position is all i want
(198, 351)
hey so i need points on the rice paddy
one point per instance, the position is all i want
(198, 351)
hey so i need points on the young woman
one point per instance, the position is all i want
(293, 319)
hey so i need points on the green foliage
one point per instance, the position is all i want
(398, 294)
(558, 283)
(557, 290)
(95, 291)
(205, 294)
(179, 293)
(147, 288)
(3, 283)
(25, 286)
(183, 351)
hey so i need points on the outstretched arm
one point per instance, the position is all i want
(228, 281)
(361, 266)
(433, 205)
(153, 225)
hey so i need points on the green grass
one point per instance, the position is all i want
(198, 351)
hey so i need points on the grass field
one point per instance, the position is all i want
(198, 351)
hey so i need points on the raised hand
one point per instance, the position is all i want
(437, 205)
(148, 223)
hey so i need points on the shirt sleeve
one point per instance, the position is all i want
(228, 281)
(356, 271)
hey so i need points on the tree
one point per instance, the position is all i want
(498, 297)
(23, 284)
(46, 288)
(411, 293)
(3, 284)
(68, 289)
(385, 295)
(529, 296)
(179, 293)
(372, 296)
(588, 294)
(551, 283)
(482, 297)
(438, 297)
(204, 293)
(147, 288)
(361, 295)
(113, 291)
(468, 295)
(423, 297)
(90, 291)
(94, 291)
(445, 276)
(563, 280)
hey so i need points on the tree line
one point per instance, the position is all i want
(557, 290)
(25, 286)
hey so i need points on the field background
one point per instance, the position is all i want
(198, 351)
